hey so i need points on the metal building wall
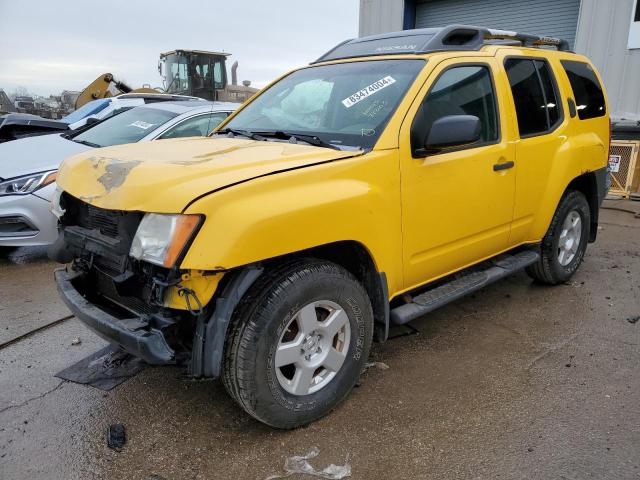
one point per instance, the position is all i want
(553, 18)
(380, 16)
(602, 35)
(603, 31)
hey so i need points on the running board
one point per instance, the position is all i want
(498, 268)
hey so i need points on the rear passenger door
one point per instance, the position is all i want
(540, 125)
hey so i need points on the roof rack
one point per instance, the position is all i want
(428, 40)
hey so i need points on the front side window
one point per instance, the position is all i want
(586, 89)
(127, 127)
(218, 80)
(464, 90)
(195, 127)
(534, 95)
(342, 104)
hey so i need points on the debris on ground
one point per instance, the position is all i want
(116, 436)
(634, 319)
(76, 341)
(104, 369)
(300, 465)
(378, 365)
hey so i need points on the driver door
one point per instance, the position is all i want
(457, 203)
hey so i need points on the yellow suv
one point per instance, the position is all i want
(393, 175)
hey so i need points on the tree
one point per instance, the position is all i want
(19, 92)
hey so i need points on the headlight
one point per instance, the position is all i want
(28, 183)
(55, 206)
(161, 238)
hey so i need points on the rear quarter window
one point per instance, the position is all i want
(586, 89)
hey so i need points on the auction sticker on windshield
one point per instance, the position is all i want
(369, 90)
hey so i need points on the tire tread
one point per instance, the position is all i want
(241, 344)
(543, 270)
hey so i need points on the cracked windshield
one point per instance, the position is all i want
(345, 104)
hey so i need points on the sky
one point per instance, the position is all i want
(48, 46)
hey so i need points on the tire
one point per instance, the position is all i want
(554, 268)
(269, 325)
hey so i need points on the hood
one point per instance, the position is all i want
(29, 119)
(35, 154)
(164, 176)
(19, 125)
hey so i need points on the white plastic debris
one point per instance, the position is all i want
(76, 341)
(300, 465)
(378, 365)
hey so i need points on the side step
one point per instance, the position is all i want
(498, 268)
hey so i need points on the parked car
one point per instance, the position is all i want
(391, 176)
(28, 167)
(14, 126)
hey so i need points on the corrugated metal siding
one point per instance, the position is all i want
(380, 16)
(603, 31)
(554, 18)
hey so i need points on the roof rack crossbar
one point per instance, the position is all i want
(528, 40)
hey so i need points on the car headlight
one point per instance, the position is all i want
(55, 206)
(27, 183)
(161, 238)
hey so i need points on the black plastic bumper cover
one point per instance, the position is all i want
(149, 345)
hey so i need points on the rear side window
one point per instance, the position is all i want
(548, 88)
(534, 94)
(586, 89)
(198, 126)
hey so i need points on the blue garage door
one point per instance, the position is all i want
(553, 18)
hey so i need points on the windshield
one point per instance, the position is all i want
(341, 104)
(90, 108)
(126, 127)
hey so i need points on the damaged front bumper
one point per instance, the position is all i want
(135, 334)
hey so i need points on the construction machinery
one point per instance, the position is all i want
(196, 73)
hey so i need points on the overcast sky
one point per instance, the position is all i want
(48, 46)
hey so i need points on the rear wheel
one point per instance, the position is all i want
(565, 243)
(298, 342)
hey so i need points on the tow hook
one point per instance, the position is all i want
(187, 293)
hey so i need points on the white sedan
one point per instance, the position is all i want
(28, 167)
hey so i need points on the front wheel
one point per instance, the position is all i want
(298, 342)
(565, 243)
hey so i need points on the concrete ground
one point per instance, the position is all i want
(517, 381)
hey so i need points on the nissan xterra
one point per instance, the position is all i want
(393, 175)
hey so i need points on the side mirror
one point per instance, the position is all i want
(451, 131)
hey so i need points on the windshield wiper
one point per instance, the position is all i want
(310, 139)
(244, 133)
(88, 144)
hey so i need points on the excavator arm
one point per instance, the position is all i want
(106, 86)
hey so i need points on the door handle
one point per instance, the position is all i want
(502, 166)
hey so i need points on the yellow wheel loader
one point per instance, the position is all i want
(196, 73)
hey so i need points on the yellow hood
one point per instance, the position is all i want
(164, 176)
